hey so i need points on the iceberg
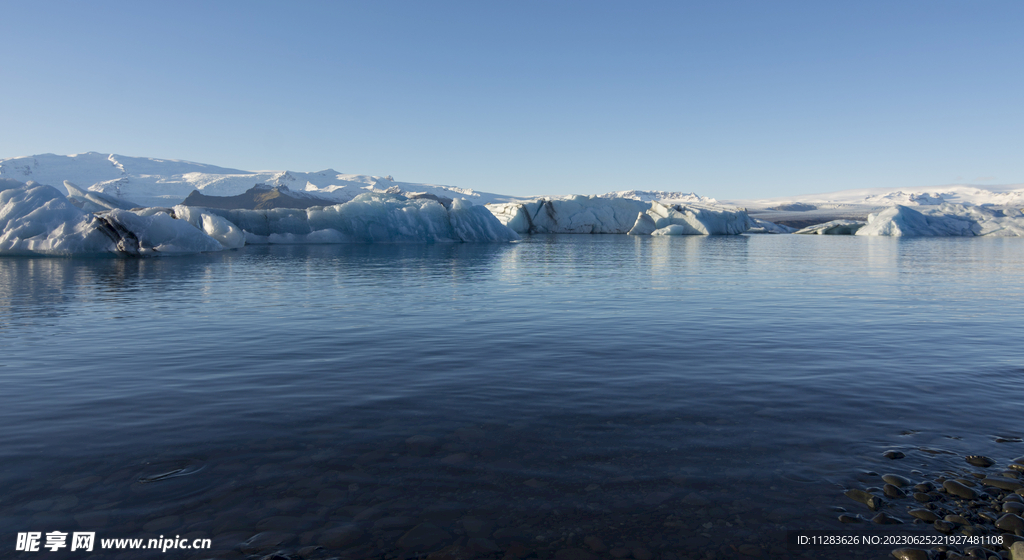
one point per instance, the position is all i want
(835, 227)
(95, 201)
(575, 214)
(39, 219)
(945, 220)
(764, 226)
(679, 219)
(372, 218)
(599, 214)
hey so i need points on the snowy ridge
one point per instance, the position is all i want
(661, 196)
(976, 195)
(165, 182)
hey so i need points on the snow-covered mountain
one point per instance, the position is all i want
(976, 195)
(166, 182)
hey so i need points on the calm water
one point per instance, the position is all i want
(672, 397)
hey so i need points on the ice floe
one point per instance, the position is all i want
(945, 220)
(835, 227)
(39, 219)
(764, 226)
(680, 219)
(594, 214)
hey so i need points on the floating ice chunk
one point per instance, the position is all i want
(372, 218)
(575, 214)
(592, 214)
(40, 220)
(764, 226)
(835, 227)
(225, 232)
(945, 220)
(158, 233)
(476, 223)
(90, 201)
(679, 219)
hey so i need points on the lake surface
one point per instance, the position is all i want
(688, 397)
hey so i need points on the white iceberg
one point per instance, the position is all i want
(764, 226)
(40, 220)
(679, 219)
(91, 201)
(372, 218)
(575, 214)
(945, 220)
(835, 227)
(594, 214)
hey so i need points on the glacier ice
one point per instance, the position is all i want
(91, 201)
(38, 219)
(945, 220)
(372, 218)
(835, 227)
(680, 219)
(764, 226)
(575, 214)
(593, 214)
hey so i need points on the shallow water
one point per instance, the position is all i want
(683, 396)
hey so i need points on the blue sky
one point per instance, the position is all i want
(726, 99)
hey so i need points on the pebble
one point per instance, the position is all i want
(896, 480)
(980, 461)
(1010, 523)
(894, 455)
(423, 536)
(943, 526)
(956, 519)
(885, 519)
(870, 500)
(893, 491)
(1013, 507)
(340, 537)
(1017, 551)
(595, 543)
(922, 497)
(1017, 464)
(924, 515)
(1003, 483)
(958, 489)
(846, 518)
(910, 554)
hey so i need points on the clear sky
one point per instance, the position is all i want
(726, 99)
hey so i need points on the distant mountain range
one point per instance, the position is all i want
(164, 182)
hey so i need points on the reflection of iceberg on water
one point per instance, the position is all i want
(39, 219)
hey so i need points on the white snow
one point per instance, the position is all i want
(978, 195)
(834, 227)
(945, 220)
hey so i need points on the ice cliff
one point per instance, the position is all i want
(593, 214)
(945, 220)
(39, 219)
